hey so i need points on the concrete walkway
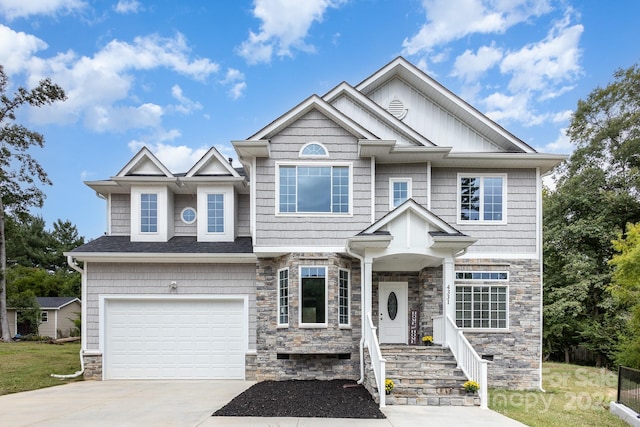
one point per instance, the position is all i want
(190, 404)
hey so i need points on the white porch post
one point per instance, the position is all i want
(448, 294)
(368, 285)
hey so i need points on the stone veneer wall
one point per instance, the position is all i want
(312, 352)
(516, 353)
(425, 295)
(92, 366)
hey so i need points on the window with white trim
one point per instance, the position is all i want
(314, 189)
(283, 297)
(344, 299)
(215, 213)
(44, 317)
(313, 296)
(148, 213)
(399, 191)
(482, 198)
(314, 149)
(188, 215)
(482, 305)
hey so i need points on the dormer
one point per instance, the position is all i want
(151, 200)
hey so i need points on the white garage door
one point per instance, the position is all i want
(181, 339)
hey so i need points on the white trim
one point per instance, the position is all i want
(481, 221)
(228, 233)
(324, 324)
(312, 214)
(497, 255)
(284, 325)
(429, 183)
(348, 324)
(480, 284)
(314, 156)
(206, 158)
(538, 213)
(392, 181)
(43, 314)
(195, 211)
(372, 162)
(102, 306)
(163, 220)
(252, 203)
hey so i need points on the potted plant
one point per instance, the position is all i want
(471, 387)
(388, 386)
(427, 340)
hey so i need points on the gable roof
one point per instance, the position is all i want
(404, 70)
(55, 303)
(212, 163)
(346, 90)
(144, 163)
(314, 102)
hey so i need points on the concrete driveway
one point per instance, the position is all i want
(190, 404)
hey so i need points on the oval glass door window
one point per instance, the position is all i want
(392, 306)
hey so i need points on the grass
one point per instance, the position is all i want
(575, 396)
(28, 365)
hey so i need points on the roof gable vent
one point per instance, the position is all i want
(396, 107)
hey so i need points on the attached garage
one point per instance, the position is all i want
(174, 338)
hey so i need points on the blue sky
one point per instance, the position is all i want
(180, 76)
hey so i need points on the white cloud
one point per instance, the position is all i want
(177, 158)
(186, 105)
(285, 24)
(128, 6)
(448, 20)
(234, 79)
(471, 65)
(562, 144)
(503, 108)
(12, 9)
(553, 60)
(17, 48)
(97, 85)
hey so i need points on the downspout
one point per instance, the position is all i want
(73, 264)
(362, 312)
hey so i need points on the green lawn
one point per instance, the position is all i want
(29, 365)
(575, 396)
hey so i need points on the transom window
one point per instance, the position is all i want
(482, 198)
(314, 189)
(343, 298)
(482, 305)
(314, 149)
(283, 297)
(148, 213)
(215, 213)
(399, 191)
(313, 296)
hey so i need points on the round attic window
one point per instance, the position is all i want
(396, 107)
(188, 215)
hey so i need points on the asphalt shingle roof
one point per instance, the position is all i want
(178, 244)
(53, 302)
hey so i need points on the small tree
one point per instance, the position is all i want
(19, 171)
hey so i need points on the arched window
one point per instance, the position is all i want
(314, 149)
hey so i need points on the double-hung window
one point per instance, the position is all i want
(313, 296)
(482, 198)
(148, 213)
(215, 213)
(482, 300)
(314, 189)
(283, 297)
(344, 300)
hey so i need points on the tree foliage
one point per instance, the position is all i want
(20, 173)
(625, 287)
(595, 197)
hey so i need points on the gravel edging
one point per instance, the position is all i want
(303, 398)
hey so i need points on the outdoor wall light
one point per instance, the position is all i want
(173, 285)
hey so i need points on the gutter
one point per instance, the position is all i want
(73, 264)
(362, 312)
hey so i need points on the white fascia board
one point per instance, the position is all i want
(498, 256)
(165, 258)
(256, 148)
(272, 251)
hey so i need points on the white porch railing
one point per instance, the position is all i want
(447, 333)
(377, 361)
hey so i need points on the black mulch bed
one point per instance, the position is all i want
(318, 399)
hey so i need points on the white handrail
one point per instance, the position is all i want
(438, 330)
(473, 366)
(377, 361)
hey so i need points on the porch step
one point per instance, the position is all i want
(425, 375)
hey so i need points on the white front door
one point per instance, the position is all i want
(392, 312)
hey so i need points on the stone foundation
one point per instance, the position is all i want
(92, 366)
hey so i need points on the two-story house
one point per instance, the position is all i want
(361, 220)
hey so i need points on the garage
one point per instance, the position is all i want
(191, 338)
